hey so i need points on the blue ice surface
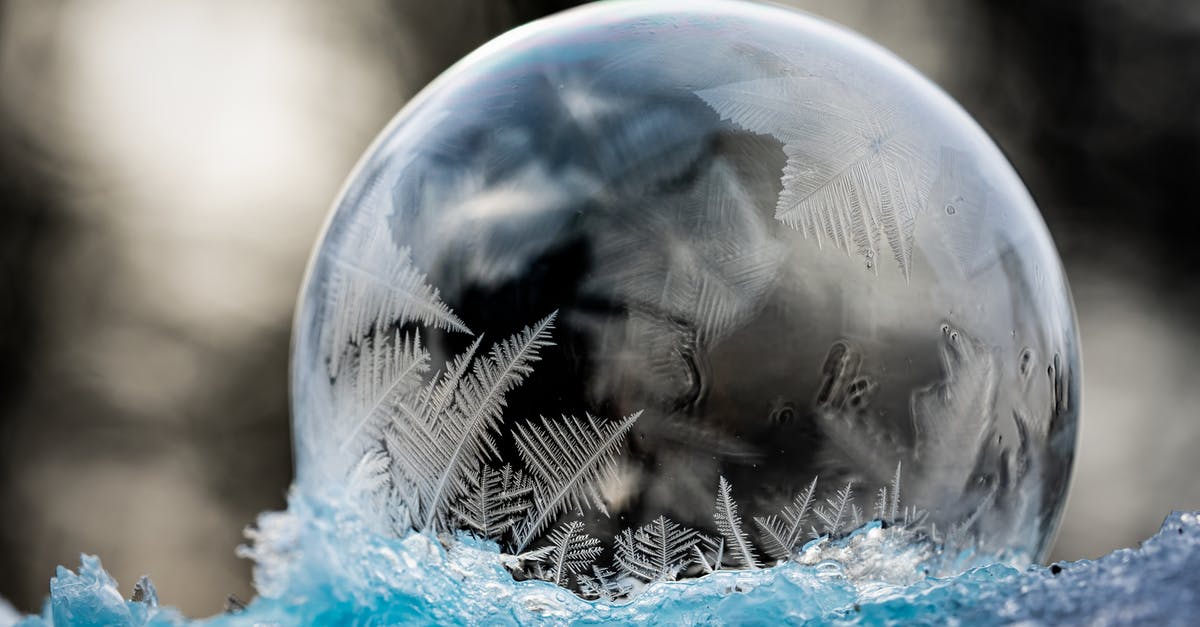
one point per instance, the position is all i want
(317, 564)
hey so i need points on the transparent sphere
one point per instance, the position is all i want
(648, 289)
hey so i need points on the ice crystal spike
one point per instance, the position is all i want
(836, 512)
(710, 554)
(615, 291)
(729, 523)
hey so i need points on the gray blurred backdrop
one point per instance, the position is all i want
(165, 166)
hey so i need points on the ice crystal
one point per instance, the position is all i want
(856, 172)
(656, 551)
(569, 457)
(493, 501)
(782, 533)
(570, 551)
(741, 550)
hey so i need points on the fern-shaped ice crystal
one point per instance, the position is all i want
(856, 172)
(602, 584)
(657, 550)
(444, 435)
(738, 545)
(709, 553)
(568, 459)
(379, 287)
(571, 551)
(837, 511)
(782, 534)
(887, 504)
(494, 501)
(370, 474)
(388, 368)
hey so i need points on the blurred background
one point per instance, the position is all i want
(165, 168)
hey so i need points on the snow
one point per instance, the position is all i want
(318, 563)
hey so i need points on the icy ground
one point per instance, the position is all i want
(318, 565)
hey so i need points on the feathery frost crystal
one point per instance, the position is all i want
(646, 291)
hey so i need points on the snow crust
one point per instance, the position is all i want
(319, 564)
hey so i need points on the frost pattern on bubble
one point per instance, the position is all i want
(425, 441)
(612, 294)
(856, 171)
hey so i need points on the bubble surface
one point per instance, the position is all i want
(644, 291)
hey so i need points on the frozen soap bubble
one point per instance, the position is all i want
(647, 289)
